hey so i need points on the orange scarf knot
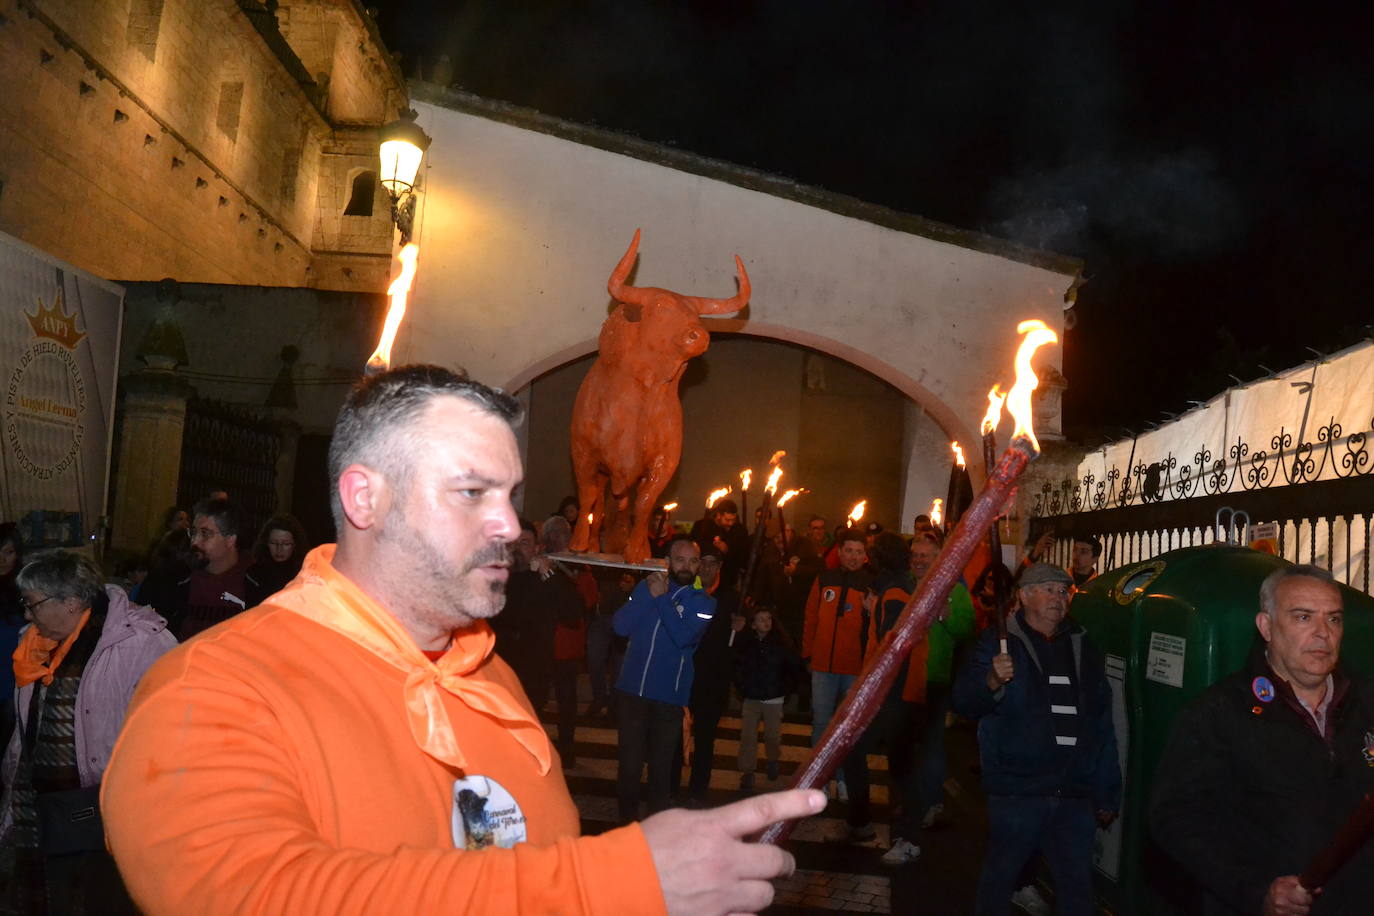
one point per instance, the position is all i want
(328, 597)
(39, 657)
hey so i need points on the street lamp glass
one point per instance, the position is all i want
(400, 164)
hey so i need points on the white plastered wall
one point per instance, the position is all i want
(520, 229)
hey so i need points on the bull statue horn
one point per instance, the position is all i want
(724, 306)
(620, 292)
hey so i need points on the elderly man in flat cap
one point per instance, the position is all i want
(1048, 748)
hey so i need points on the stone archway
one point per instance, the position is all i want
(949, 421)
(523, 218)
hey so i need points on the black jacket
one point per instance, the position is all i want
(1016, 726)
(765, 668)
(712, 659)
(1247, 791)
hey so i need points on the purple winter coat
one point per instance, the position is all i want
(133, 638)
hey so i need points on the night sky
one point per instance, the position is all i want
(1211, 163)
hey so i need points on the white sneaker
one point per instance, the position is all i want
(901, 853)
(932, 816)
(1029, 900)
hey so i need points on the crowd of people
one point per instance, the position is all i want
(356, 728)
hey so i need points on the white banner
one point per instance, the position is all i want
(59, 349)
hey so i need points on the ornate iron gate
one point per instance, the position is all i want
(230, 447)
(1320, 493)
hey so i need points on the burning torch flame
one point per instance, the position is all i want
(589, 518)
(994, 415)
(1019, 398)
(773, 478)
(777, 456)
(380, 360)
(716, 496)
(785, 498)
(937, 512)
(670, 507)
(746, 477)
(857, 512)
(958, 454)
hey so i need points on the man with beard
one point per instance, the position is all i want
(217, 587)
(723, 531)
(664, 619)
(308, 755)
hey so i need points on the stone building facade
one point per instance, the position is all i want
(230, 146)
(214, 141)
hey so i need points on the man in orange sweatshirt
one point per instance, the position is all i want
(353, 745)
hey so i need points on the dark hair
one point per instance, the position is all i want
(227, 516)
(527, 525)
(173, 548)
(9, 593)
(566, 502)
(9, 534)
(369, 426)
(282, 522)
(777, 633)
(1092, 542)
(890, 552)
(851, 534)
(725, 505)
(815, 518)
(171, 514)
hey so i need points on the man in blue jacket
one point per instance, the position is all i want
(665, 618)
(1047, 744)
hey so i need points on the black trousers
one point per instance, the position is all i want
(895, 727)
(565, 692)
(650, 732)
(705, 718)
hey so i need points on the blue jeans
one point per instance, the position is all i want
(601, 653)
(1062, 829)
(931, 765)
(826, 692)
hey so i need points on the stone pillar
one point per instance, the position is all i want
(289, 434)
(154, 416)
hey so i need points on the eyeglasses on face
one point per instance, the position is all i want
(30, 608)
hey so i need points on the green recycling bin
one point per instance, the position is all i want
(1171, 627)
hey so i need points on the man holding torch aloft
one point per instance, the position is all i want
(1047, 745)
(1261, 771)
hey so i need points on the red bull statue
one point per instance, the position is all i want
(627, 420)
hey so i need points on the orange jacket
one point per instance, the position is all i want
(268, 767)
(890, 604)
(836, 625)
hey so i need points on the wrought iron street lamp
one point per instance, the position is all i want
(403, 146)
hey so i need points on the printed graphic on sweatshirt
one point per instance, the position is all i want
(484, 814)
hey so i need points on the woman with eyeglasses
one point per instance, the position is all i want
(277, 558)
(76, 668)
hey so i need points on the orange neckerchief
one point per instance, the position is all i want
(38, 657)
(323, 594)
